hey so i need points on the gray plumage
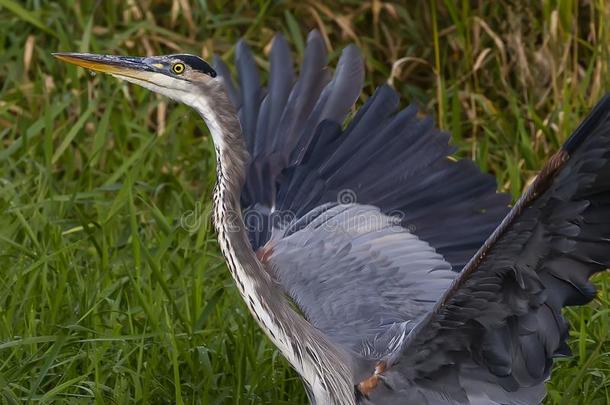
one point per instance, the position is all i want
(325, 264)
(357, 288)
(386, 272)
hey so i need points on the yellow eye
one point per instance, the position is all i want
(178, 68)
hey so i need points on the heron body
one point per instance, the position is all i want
(382, 270)
(253, 282)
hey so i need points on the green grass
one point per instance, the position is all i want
(112, 289)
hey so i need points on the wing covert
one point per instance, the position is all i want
(357, 274)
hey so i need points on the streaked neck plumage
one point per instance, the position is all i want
(325, 368)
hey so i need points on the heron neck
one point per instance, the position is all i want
(324, 366)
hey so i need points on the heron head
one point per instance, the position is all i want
(181, 77)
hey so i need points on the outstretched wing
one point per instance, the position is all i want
(386, 291)
(500, 321)
(389, 159)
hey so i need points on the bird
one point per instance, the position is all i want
(382, 268)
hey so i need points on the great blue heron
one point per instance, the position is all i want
(382, 269)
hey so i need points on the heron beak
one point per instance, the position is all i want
(125, 66)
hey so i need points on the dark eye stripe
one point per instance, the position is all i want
(196, 63)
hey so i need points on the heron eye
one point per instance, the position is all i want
(178, 68)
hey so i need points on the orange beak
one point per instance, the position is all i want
(129, 66)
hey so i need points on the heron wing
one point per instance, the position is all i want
(279, 121)
(497, 327)
(303, 158)
(500, 322)
(356, 273)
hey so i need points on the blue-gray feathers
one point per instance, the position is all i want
(383, 288)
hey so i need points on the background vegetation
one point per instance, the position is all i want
(112, 289)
